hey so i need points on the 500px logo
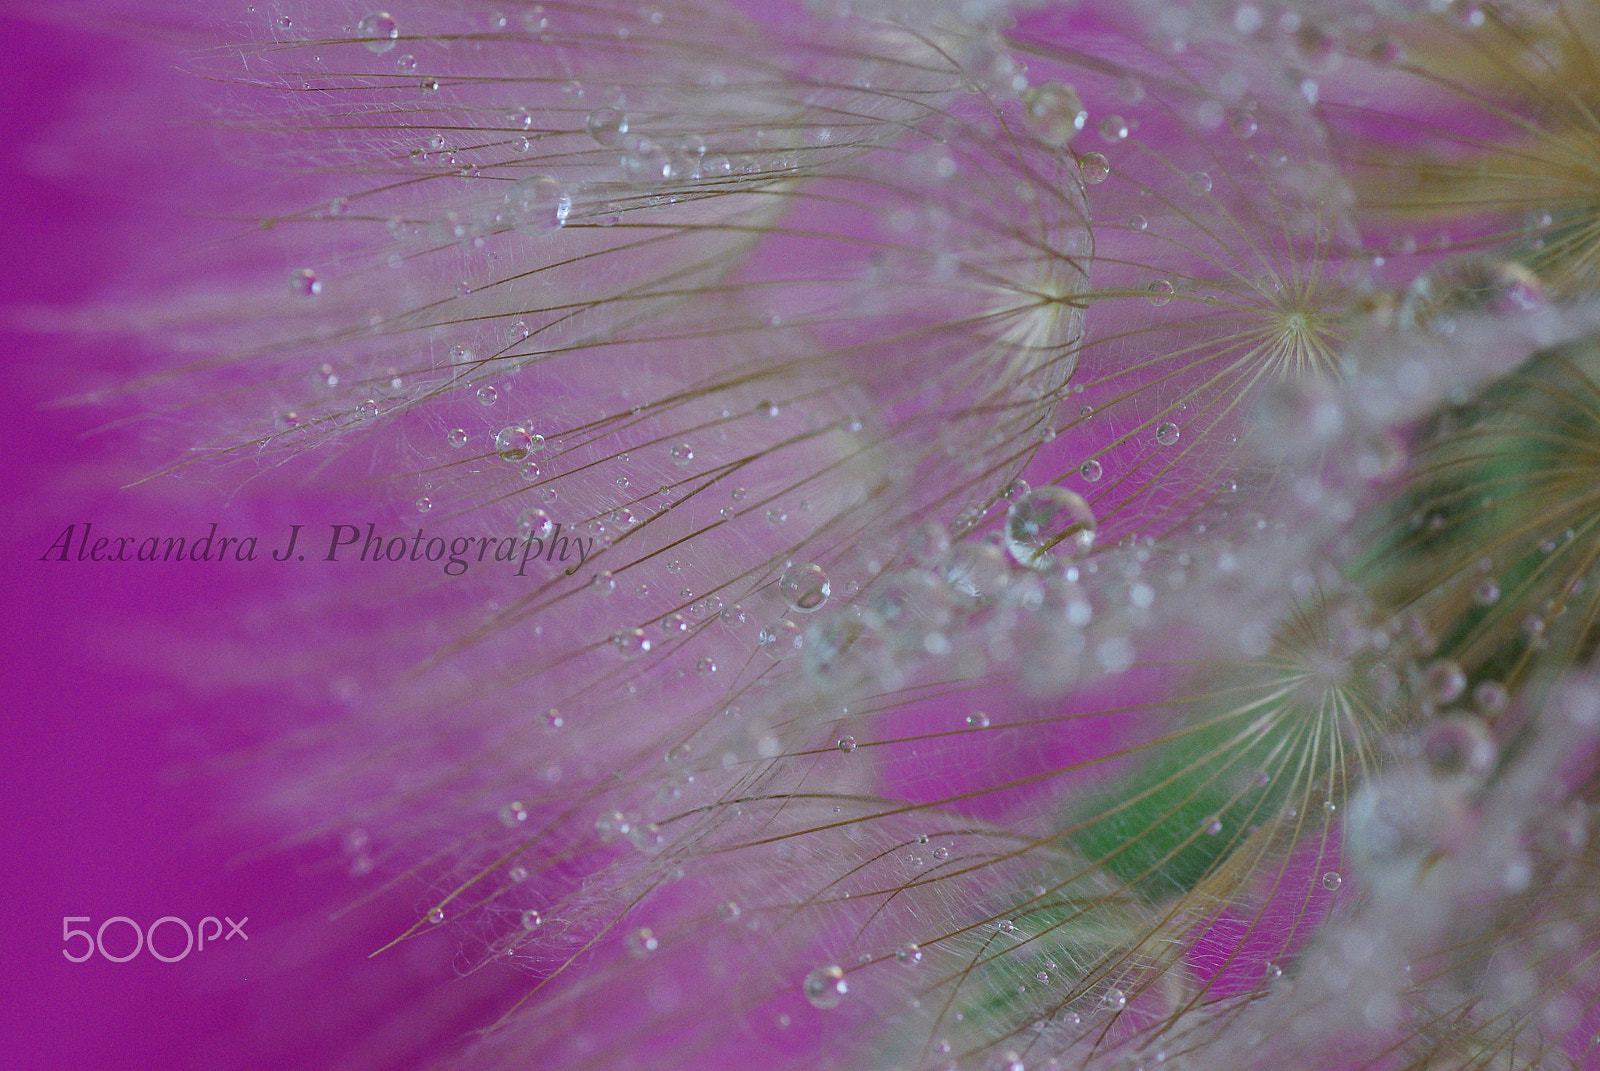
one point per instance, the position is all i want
(146, 939)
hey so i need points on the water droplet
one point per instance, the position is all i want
(531, 919)
(1161, 292)
(461, 353)
(1095, 168)
(647, 837)
(1055, 112)
(513, 813)
(488, 396)
(908, 954)
(1091, 470)
(1461, 745)
(379, 30)
(303, 283)
(513, 442)
(606, 125)
(424, 504)
(1385, 52)
(979, 720)
(603, 583)
(1444, 681)
(804, 587)
(1487, 593)
(847, 744)
(1199, 183)
(1331, 881)
(825, 987)
(1115, 999)
(458, 437)
(782, 639)
(1049, 521)
(538, 204)
(1114, 128)
(1469, 285)
(1491, 697)
(729, 911)
(631, 642)
(521, 144)
(1166, 433)
(518, 874)
(436, 916)
(682, 454)
(641, 942)
(1315, 49)
(534, 523)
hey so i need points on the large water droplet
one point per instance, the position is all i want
(538, 204)
(1461, 746)
(1472, 285)
(1047, 522)
(379, 31)
(1444, 681)
(782, 639)
(1055, 112)
(513, 442)
(826, 986)
(804, 586)
(606, 125)
(1095, 168)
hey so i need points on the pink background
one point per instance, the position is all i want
(115, 804)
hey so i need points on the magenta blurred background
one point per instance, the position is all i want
(122, 795)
